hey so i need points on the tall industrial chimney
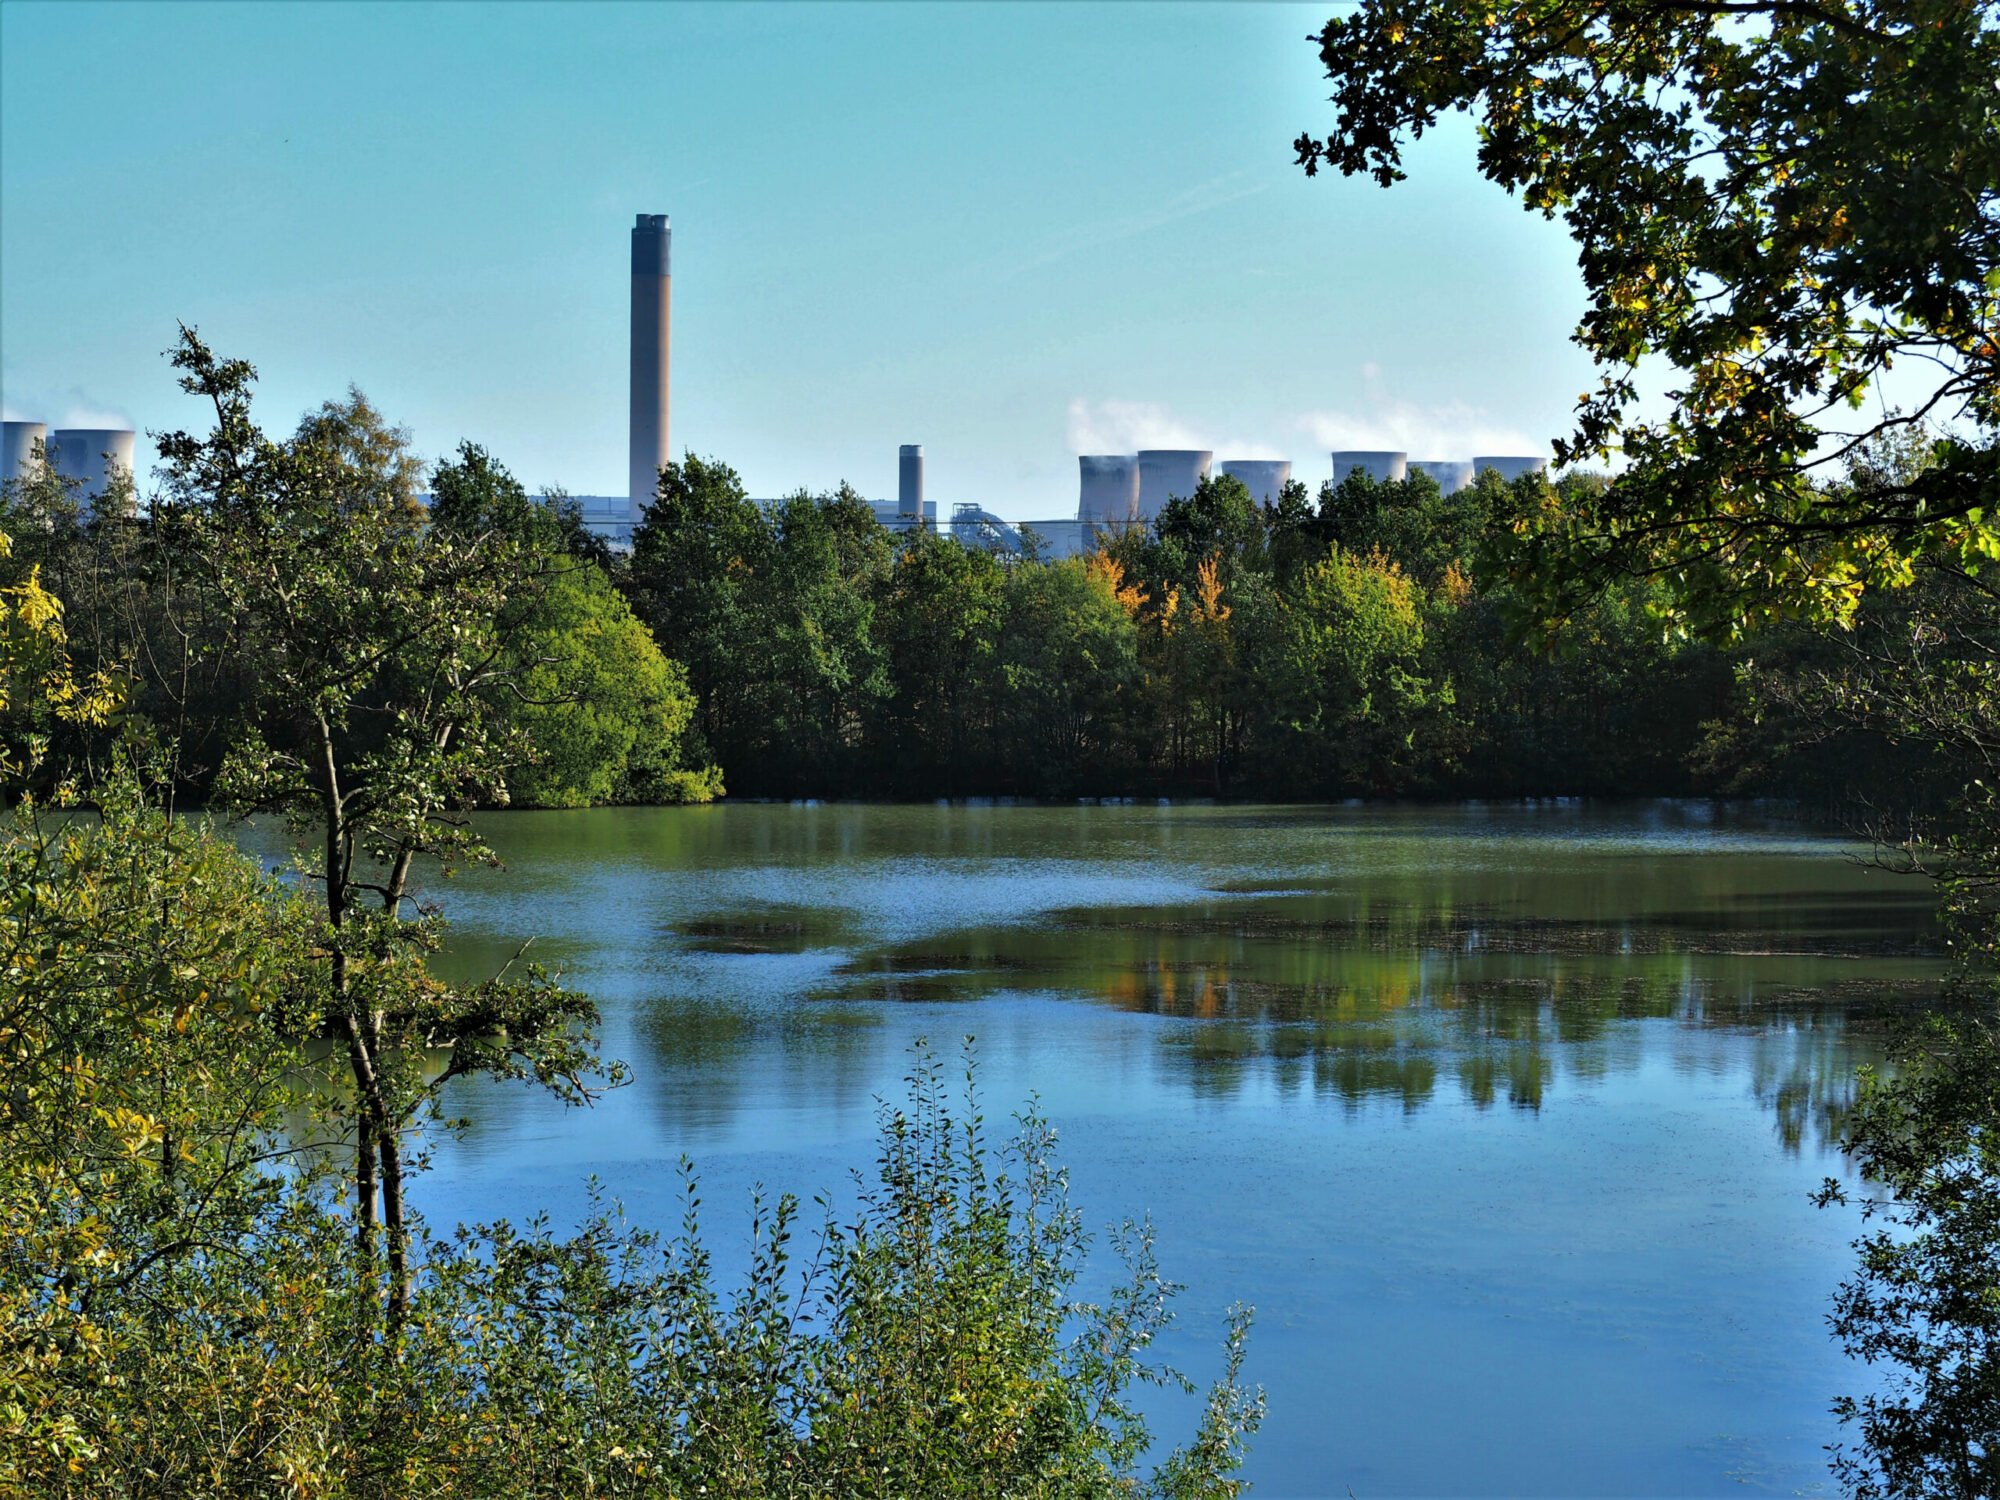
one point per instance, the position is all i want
(910, 482)
(652, 316)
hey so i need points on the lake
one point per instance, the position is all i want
(1504, 1117)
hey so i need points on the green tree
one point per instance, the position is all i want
(605, 714)
(813, 640)
(39, 685)
(131, 614)
(695, 553)
(937, 622)
(1347, 685)
(1411, 521)
(1293, 534)
(157, 989)
(600, 713)
(362, 456)
(1924, 1300)
(474, 493)
(1781, 201)
(1219, 520)
(1069, 679)
(373, 644)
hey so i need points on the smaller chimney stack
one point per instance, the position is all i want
(910, 482)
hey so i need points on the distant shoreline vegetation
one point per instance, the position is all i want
(1361, 643)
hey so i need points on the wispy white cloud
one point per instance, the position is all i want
(1115, 426)
(71, 408)
(1125, 427)
(1451, 429)
(1231, 448)
(92, 416)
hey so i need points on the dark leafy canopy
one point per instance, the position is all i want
(829, 658)
(1781, 200)
(474, 493)
(1924, 1302)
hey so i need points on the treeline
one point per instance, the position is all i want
(1363, 642)
(1356, 645)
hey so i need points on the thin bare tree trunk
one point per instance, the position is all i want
(364, 1186)
(398, 1231)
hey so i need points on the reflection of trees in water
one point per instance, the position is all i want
(1359, 998)
(1510, 1039)
(706, 1059)
(1805, 1074)
(1400, 1002)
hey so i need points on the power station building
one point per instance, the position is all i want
(652, 343)
(1264, 478)
(1115, 490)
(99, 460)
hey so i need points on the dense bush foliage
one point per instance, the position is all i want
(1922, 1303)
(183, 1308)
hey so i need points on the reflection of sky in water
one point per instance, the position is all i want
(1504, 1117)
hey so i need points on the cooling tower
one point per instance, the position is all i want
(1451, 474)
(1380, 465)
(652, 317)
(1109, 493)
(99, 456)
(1510, 468)
(17, 449)
(1262, 477)
(1167, 473)
(910, 482)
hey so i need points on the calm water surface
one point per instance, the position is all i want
(1504, 1118)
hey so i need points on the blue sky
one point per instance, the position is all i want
(1010, 234)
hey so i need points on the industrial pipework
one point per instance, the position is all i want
(973, 525)
(652, 319)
